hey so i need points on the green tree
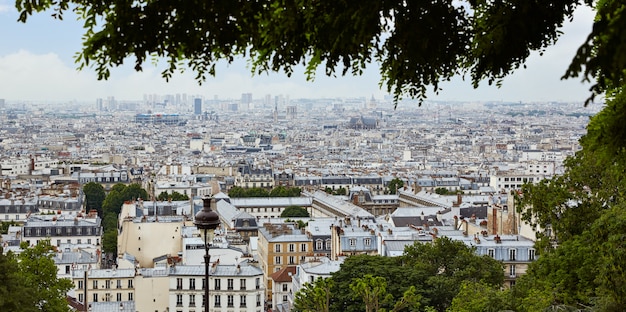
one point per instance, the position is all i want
(487, 40)
(175, 196)
(94, 196)
(37, 268)
(394, 185)
(584, 209)
(294, 212)
(314, 297)
(15, 292)
(478, 296)
(112, 206)
(341, 191)
(279, 191)
(236, 192)
(372, 290)
(445, 264)
(4, 226)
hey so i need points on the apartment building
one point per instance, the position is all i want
(106, 285)
(280, 246)
(235, 287)
(83, 229)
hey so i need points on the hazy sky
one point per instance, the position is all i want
(37, 64)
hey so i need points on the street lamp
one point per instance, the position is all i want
(207, 221)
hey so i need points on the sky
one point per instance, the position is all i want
(37, 64)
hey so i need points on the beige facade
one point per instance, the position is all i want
(281, 246)
(152, 290)
(147, 238)
(104, 285)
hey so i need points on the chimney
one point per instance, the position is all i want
(459, 199)
(495, 220)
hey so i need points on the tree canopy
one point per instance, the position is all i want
(584, 209)
(94, 196)
(294, 212)
(415, 44)
(30, 281)
(427, 275)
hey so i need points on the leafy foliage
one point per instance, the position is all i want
(416, 44)
(279, 191)
(586, 209)
(394, 185)
(112, 206)
(175, 196)
(31, 282)
(94, 196)
(426, 277)
(478, 296)
(294, 212)
(314, 297)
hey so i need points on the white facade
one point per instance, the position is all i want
(236, 288)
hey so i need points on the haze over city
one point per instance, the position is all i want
(37, 65)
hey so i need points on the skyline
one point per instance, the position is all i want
(38, 65)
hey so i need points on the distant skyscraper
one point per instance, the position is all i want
(246, 100)
(1, 103)
(197, 106)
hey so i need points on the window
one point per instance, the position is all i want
(242, 301)
(80, 285)
(285, 287)
(192, 300)
(230, 301)
(179, 300)
(130, 296)
(107, 284)
(179, 283)
(95, 284)
(303, 247)
(242, 284)
(203, 284)
(277, 260)
(367, 241)
(531, 254)
(284, 298)
(230, 284)
(119, 284)
(130, 283)
(512, 270)
(95, 298)
(81, 298)
(118, 297)
(218, 301)
(277, 248)
(292, 247)
(107, 297)
(217, 284)
(258, 300)
(328, 244)
(352, 242)
(258, 283)
(491, 252)
(292, 260)
(512, 254)
(319, 244)
(192, 283)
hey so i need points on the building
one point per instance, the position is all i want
(236, 287)
(282, 288)
(197, 106)
(280, 246)
(104, 285)
(59, 229)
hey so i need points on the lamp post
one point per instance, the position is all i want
(207, 221)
